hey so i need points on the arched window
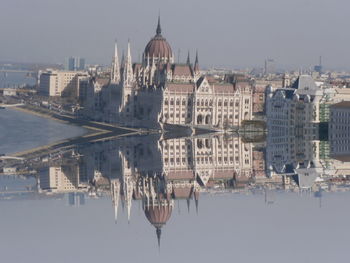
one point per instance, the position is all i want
(199, 119)
(207, 119)
(199, 144)
(207, 143)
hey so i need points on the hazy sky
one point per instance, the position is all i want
(231, 33)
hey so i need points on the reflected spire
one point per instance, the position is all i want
(159, 233)
(196, 200)
(188, 205)
(115, 195)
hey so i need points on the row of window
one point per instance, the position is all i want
(205, 160)
(204, 102)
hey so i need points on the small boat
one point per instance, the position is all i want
(2, 108)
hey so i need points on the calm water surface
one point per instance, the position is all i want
(22, 131)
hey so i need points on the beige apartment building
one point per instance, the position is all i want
(60, 83)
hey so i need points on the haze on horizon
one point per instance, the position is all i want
(232, 34)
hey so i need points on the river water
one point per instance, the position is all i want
(22, 131)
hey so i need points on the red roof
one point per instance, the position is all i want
(179, 87)
(182, 70)
(224, 88)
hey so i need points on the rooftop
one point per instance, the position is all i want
(343, 104)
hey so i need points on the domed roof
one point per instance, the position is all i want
(158, 215)
(158, 46)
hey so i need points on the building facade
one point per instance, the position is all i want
(293, 129)
(339, 128)
(55, 83)
(157, 92)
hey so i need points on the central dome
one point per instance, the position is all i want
(158, 46)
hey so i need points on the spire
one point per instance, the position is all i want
(196, 64)
(159, 233)
(188, 62)
(115, 74)
(127, 71)
(159, 29)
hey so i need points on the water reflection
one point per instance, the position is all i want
(156, 172)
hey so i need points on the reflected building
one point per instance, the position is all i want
(61, 179)
(158, 170)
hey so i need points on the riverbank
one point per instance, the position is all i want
(93, 126)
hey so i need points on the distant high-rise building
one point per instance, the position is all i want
(75, 63)
(318, 68)
(269, 67)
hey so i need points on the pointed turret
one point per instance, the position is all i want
(188, 61)
(127, 70)
(159, 29)
(115, 73)
(196, 72)
(196, 64)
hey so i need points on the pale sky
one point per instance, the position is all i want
(230, 33)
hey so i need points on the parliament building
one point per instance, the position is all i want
(157, 92)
